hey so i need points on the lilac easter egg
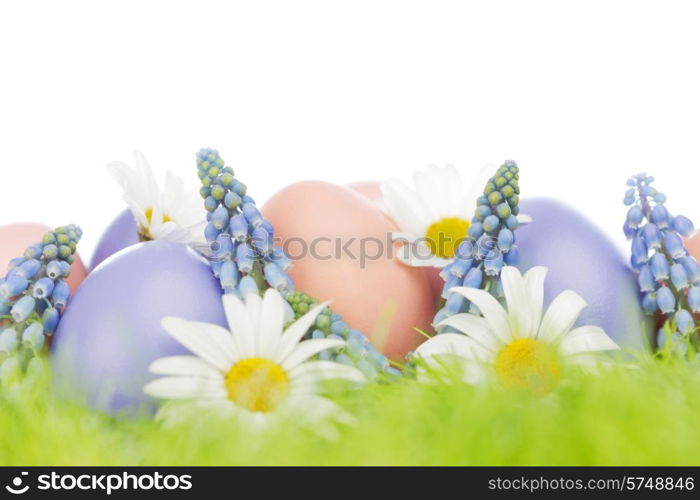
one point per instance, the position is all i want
(120, 234)
(111, 330)
(581, 258)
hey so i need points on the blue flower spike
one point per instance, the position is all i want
(488, 245)
(240, 242)
(33, 296)
(667, 275)
(245, 260)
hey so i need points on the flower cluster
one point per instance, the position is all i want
(668, 277)
(356, 351)
(488, 246)
(244, 257)
(33, 295)
(245, 260)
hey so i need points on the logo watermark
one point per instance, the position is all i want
(104, 483)
(18, 487)
(363, 250)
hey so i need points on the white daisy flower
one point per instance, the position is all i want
(255, 372)
(519, 345)
(434, 215)
(172, 214)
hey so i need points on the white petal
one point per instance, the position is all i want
(524, 219)
(168, 231)
(271, 323)
(534, 286)
(241, 325)
(324, 370)
(519, 312)
(418, 254)
(173, 193)
(453, 344)
(493, 312)
(221, 337)
(308, 348)
(146, 177)
(471, 371)
(452, 188)
(185, 388)
(253, 305)
(561, 316)
(184, 365)
(405, 208)
(288, 313)
(121, 173)
(158, 217)
(441, 349)
(587, 339)
(430, 187)
(475, 327)
(593, 362)
(296, 331)
(209, 342)
(317, 408)
(137, 211)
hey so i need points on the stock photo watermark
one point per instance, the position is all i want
(363, 250)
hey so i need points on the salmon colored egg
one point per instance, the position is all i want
(693, 245)
(368, 189)
(341, 247)
(372, 191)
(14, 240)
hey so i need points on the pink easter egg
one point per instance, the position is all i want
(342, 251)
(368, 189)
(693, 245)
(14, 240)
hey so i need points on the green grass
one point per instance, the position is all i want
(646, 416)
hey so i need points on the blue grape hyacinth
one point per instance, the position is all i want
(488, 245)
(668, 277)
(245, 259)
(33, 295)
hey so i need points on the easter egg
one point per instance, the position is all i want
(14, 240)
(583, 259)
(111, 331)
(372, 191)
(368, 189)
(120, 234)
(342, 251)
(693, 245)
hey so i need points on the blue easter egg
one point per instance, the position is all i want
(111, 330)
(583, 259)
(120, 234)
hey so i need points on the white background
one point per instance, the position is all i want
(581, 94)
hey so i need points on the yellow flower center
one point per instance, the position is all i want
(149, 216)
(257, 384)
(145, 232)
(444, 236)
(528, 364)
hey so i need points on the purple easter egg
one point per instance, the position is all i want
(583, 259)
(111, 330)
(120, 234)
